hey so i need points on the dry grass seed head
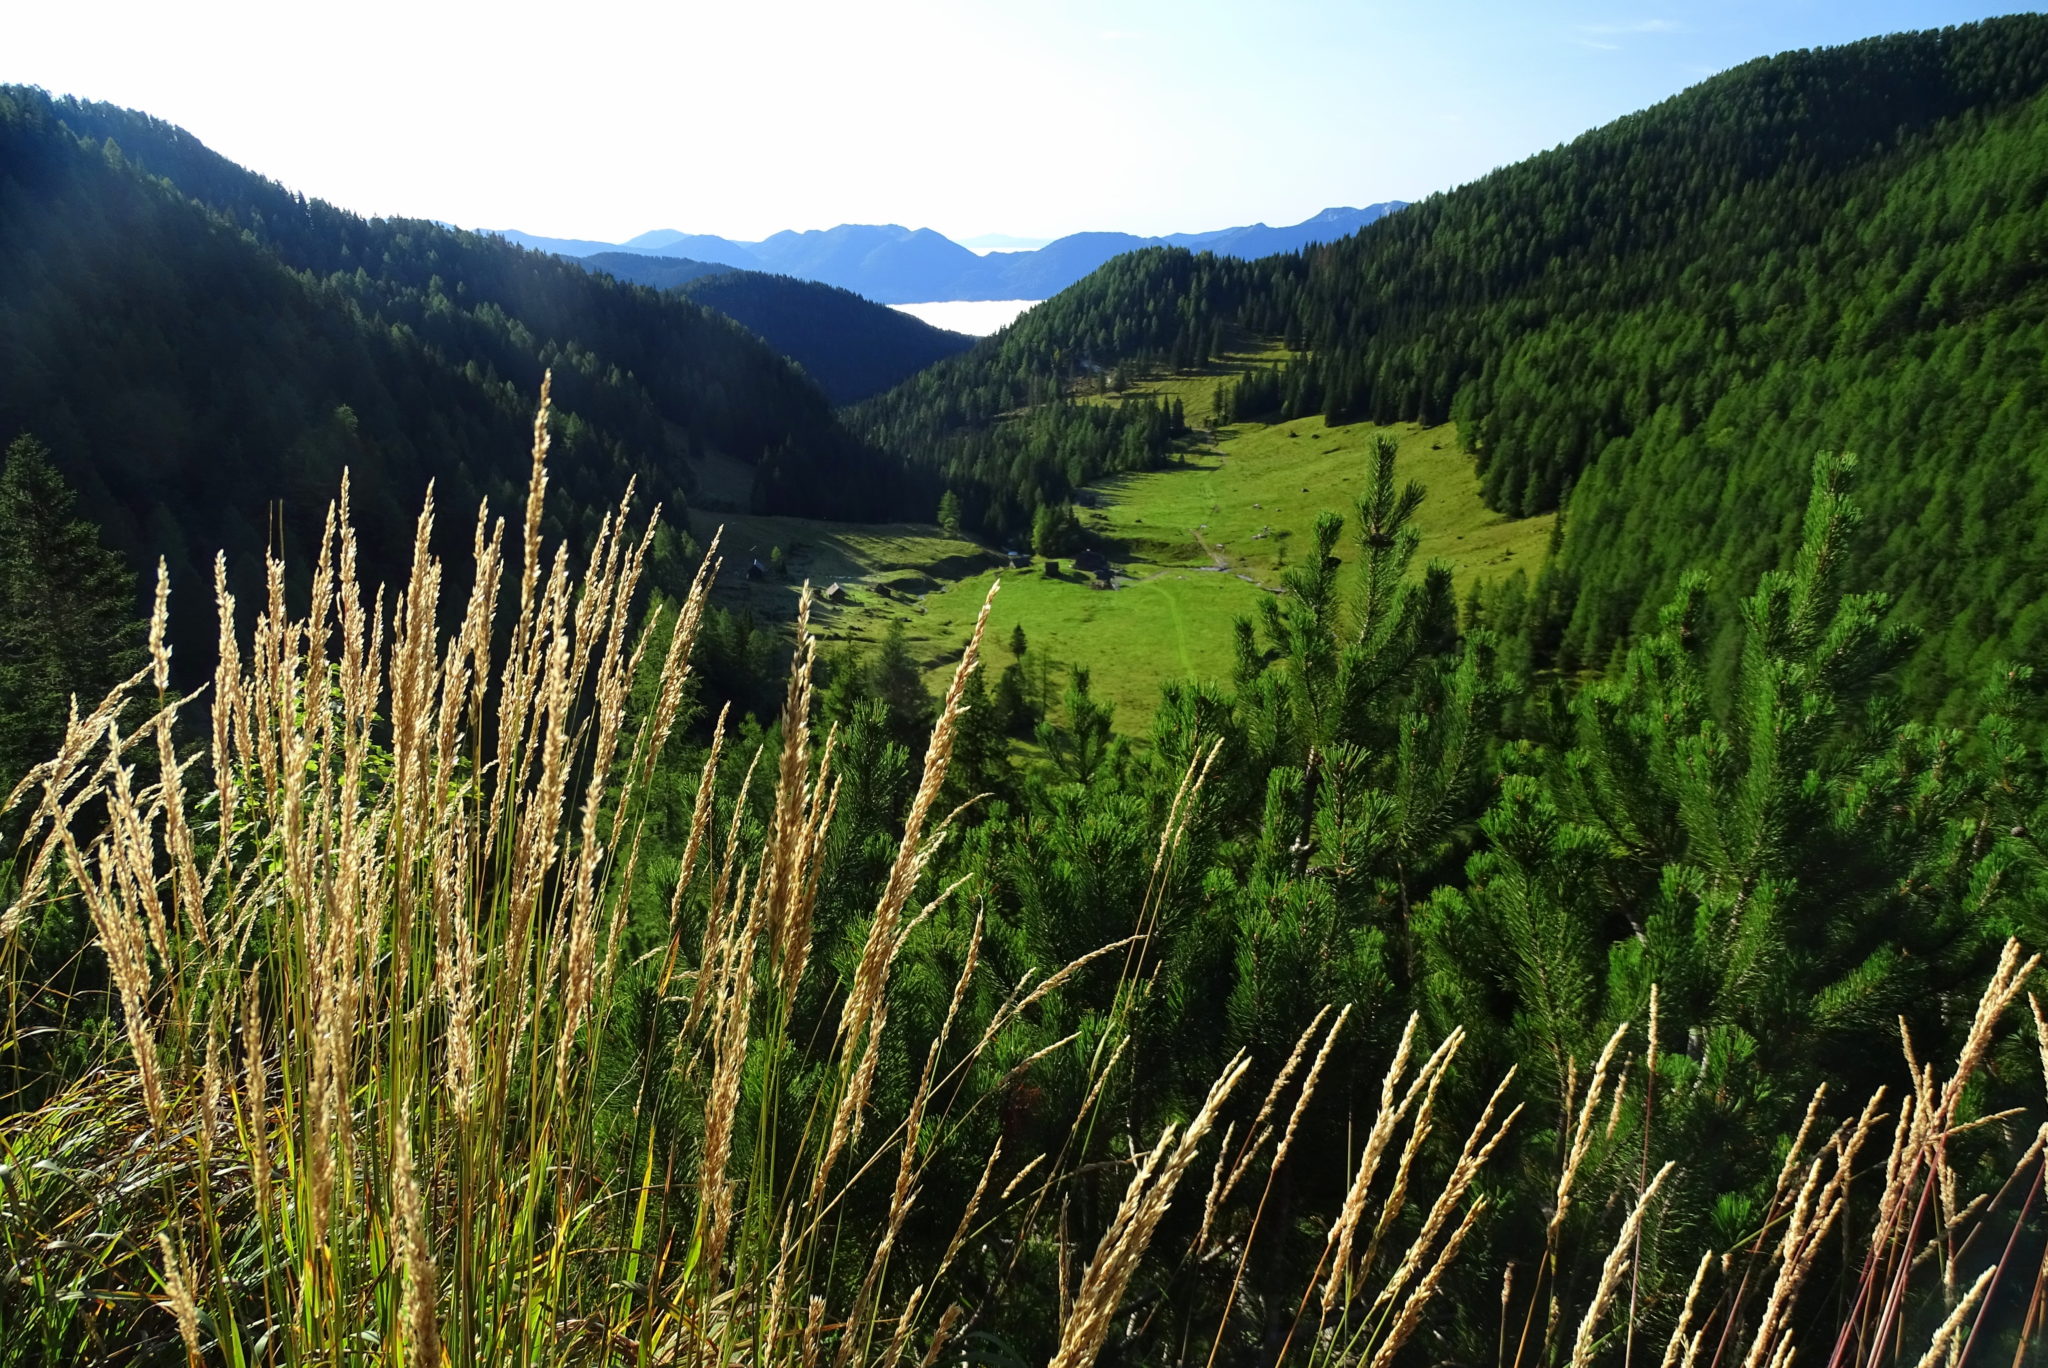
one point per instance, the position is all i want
(415, 1254)
(256, 1086)
(947, 1321)
(1145, 1201)
(721, 1102)
(1582, 1132)
(1676, 1344)
(1386, 1122)
(1473, 1156)
(861, 1019)
(2008, 980)
(1611, 1270)
(1797, 1151)
(901, 1335)
(1210, 1203)
(1019, 1005)
(968, 1212)
(1410, 1315)
(2040, 1034)
(1258, 1132)
(1017, 1179)
(181, 1293)
(814, 1328)
(1945, 1335)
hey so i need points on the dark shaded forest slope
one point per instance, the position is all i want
(204, 351)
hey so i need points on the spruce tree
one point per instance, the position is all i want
(1012, 703)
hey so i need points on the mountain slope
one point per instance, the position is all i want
(655, 272)
(568, 247)
(204, 352)
(1258, 240)
(991, 426)
(1061, 262)
(851, 346)
(1831, 249)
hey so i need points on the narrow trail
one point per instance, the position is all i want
(1223, 564)
(1218, 563)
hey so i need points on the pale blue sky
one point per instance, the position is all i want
(607, 117)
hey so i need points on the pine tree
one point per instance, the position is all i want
(1013, 702)
(1055, 530)
(1044, 539)
(1079, 748)
(981, 745)
(1792, 865)
(68, 626)
(894, 679)
(1327, 672)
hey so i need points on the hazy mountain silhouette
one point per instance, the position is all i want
(890, 264)
(896, 265)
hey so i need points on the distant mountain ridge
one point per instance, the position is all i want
(892, 264)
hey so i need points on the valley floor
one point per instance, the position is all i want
(1194, 545)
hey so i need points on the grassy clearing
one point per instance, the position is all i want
(1134, 639)
(1196, 389)
(911, 558)
(1198, 543)
(1188, 537)
(1253, 501)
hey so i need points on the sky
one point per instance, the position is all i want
(607, 118)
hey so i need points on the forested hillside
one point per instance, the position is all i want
(851, 346)
(1828, 249)
(959, 427)
(659, 273)
(203, 351)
